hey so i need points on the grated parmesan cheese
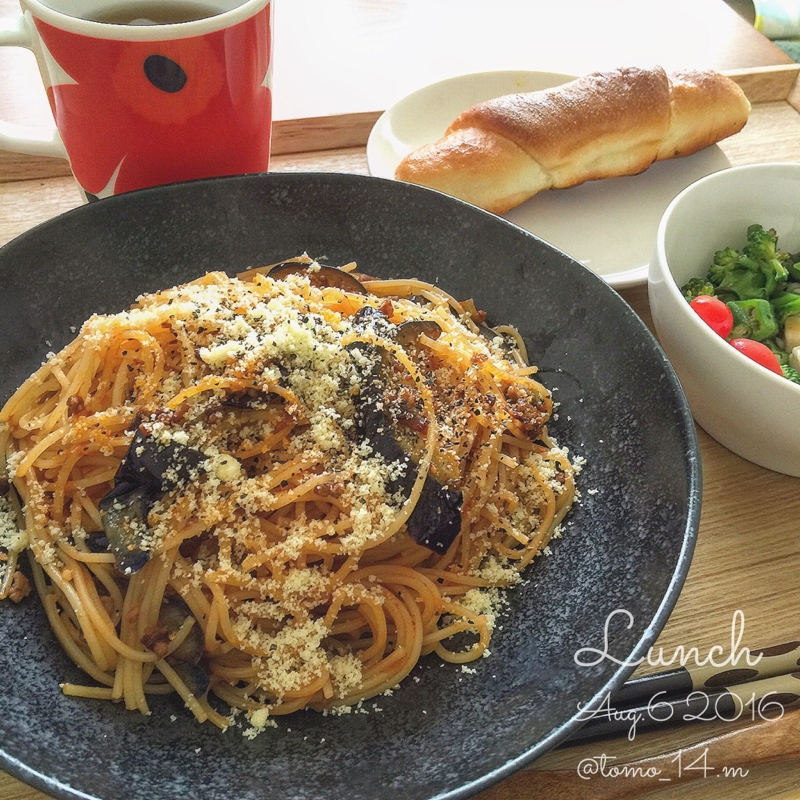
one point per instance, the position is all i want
(260, 363)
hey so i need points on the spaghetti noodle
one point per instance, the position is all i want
(282, 489)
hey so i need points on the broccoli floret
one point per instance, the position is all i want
(755, 273)
(695, 287)
(724, 260)
(727, 277)
(742, 284)
(762, 248)
(790, 373)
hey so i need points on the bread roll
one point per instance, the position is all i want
(499, 153)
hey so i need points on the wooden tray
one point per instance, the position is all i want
(775, 117)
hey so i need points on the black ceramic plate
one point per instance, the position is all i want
(445, 732)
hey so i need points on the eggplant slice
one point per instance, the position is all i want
(436, 519)
(185, 659)
(407, 333)
(148, 470)
(320, 276)
(124, 516)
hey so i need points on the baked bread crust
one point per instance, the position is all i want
(499, 153)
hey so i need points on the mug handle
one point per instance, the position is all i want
(29, 139)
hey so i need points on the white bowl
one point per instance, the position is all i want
(745, 407)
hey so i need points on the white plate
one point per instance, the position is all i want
(609, 225)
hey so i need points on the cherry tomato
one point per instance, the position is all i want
(714, 313)
(760, 353)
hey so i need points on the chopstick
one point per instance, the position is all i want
(761, 689)
(780, 659)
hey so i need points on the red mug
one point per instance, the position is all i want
(146, 93)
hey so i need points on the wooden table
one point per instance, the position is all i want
(338, 64)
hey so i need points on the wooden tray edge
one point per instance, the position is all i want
(760, 84)
(767, 84)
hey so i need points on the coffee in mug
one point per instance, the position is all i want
(163, 13)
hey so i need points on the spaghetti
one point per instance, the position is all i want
(281, 489)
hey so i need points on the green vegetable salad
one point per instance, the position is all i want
(756, 305)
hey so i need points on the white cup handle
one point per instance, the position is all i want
(30, 139)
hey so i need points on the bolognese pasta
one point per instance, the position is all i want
(281, 489)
